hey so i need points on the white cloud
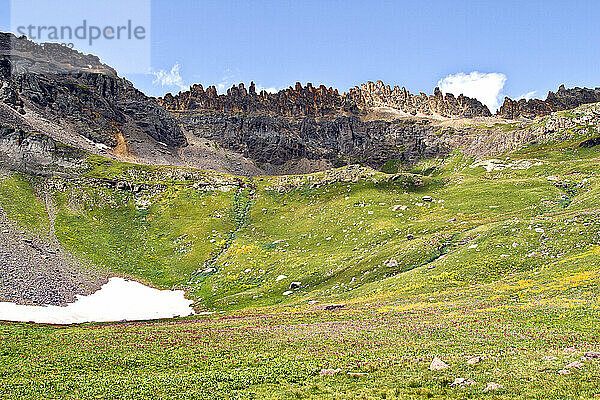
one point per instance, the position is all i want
(527, 96)
(485, 87)
(169, 79)
(260, 88)
(232, 77)
(226, 81)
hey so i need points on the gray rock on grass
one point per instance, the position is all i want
(492, 386)
(438, 365)
(474, 360)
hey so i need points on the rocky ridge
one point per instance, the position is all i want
(349, 174)
(298, 101)
(378, 94)
(317, 124)
(310, 101)
(274, 140)
(563, 99)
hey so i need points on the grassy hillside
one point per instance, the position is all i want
(455, 258)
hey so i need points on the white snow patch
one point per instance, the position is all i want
(117, 300)
(499, 165)
(101, 146)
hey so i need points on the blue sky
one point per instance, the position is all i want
(536, 45)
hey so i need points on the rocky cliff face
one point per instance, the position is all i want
(273, 141)
(75, 99)
(36, 153)
(563, 99)
(329, 129)
(337, 140)
(78, 92)
(318, 124)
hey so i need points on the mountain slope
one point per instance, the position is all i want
(220, 237)
(341, 284)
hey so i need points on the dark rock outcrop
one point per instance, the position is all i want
(563, 99)
(37, 154)
(318, 124)
(590, 143)
(77, 90)
(341, 140)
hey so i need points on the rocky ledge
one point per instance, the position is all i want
(349, 174)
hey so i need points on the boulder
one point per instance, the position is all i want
(491, 386)
(474, 360)
(437, 364)
(356, 373)
(574, 364)
(329, 371)
(458, 382)
(564, 371)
